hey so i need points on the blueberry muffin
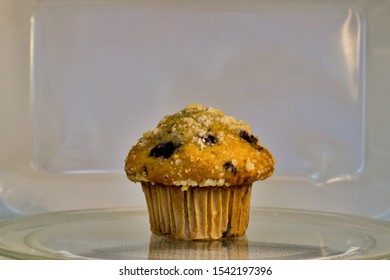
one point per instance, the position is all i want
(196, 169)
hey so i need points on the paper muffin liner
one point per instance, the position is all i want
(169, 248)
(199, 212)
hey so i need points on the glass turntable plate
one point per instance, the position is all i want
(124, 234)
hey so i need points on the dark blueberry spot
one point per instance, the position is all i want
(145, 170)
(230, 167)
(209, 139)
(250, 139)
(164, 150)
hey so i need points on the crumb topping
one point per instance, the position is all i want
(199, 146)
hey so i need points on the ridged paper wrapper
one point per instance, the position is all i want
(198, 212)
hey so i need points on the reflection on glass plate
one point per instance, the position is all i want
(124, 234)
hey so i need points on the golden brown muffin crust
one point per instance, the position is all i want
(199, 146)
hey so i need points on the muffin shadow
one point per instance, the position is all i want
(169, 248)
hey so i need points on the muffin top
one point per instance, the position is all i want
(199, 146)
